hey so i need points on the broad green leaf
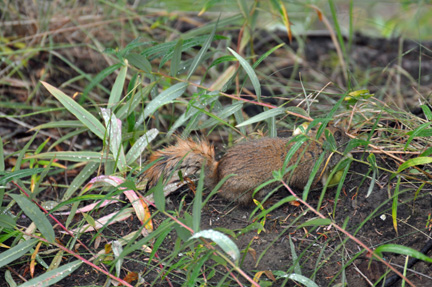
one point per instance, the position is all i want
(251, 73)
(51, 277)
(302, 279)
(262, 116)
(77, 110)
(7, 221)
(413, 162)
(16, 252)
(5, 177)
(117, 88)
(75, 156)
(139, 146)
(37, 216)
(400, 249)
(140, 62)
(224, 242)
(165, 97)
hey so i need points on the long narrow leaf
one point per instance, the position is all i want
(400, 249)
(204, 48)
(262, 116)
(134, 101)
(37, 216)
(140, 62)
(100, 77)
(76, 156)
(165, 97)
(139, 146)
(251, 73)
(222, 240)
(77, 110)
(176, 57)
(16, 252)
(13, 175)
(117, 88)
(51, 277)
(115, 137)
(79, 180)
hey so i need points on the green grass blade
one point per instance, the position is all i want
(421, 160)
(79, 180)
(417, 132)
(6, 177)
(77, 110)
(266, 54)
(51, 277)
(2, 163)
(316, 222)
(197, 205)
(176, 57)
(337, 26)
(250, 72)
(139, 146)
(204, 48)
(8, 222)
(395, 203)
(262, 116)
(400, 249)
(164, 98)
(224, 242)
(297, 268)
(134, 101)
(37, 216)
(140, 62)
(59, 124)
(115, 137)
(117, 88)
(303, 280)
(16, 252)
(99, 78)
(223, 114)
(75, 156)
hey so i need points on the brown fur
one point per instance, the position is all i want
(252, 163)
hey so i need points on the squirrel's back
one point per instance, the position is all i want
(251, 162)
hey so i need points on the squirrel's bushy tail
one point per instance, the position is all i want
(188, 156)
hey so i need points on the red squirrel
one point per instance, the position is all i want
(252, 163)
